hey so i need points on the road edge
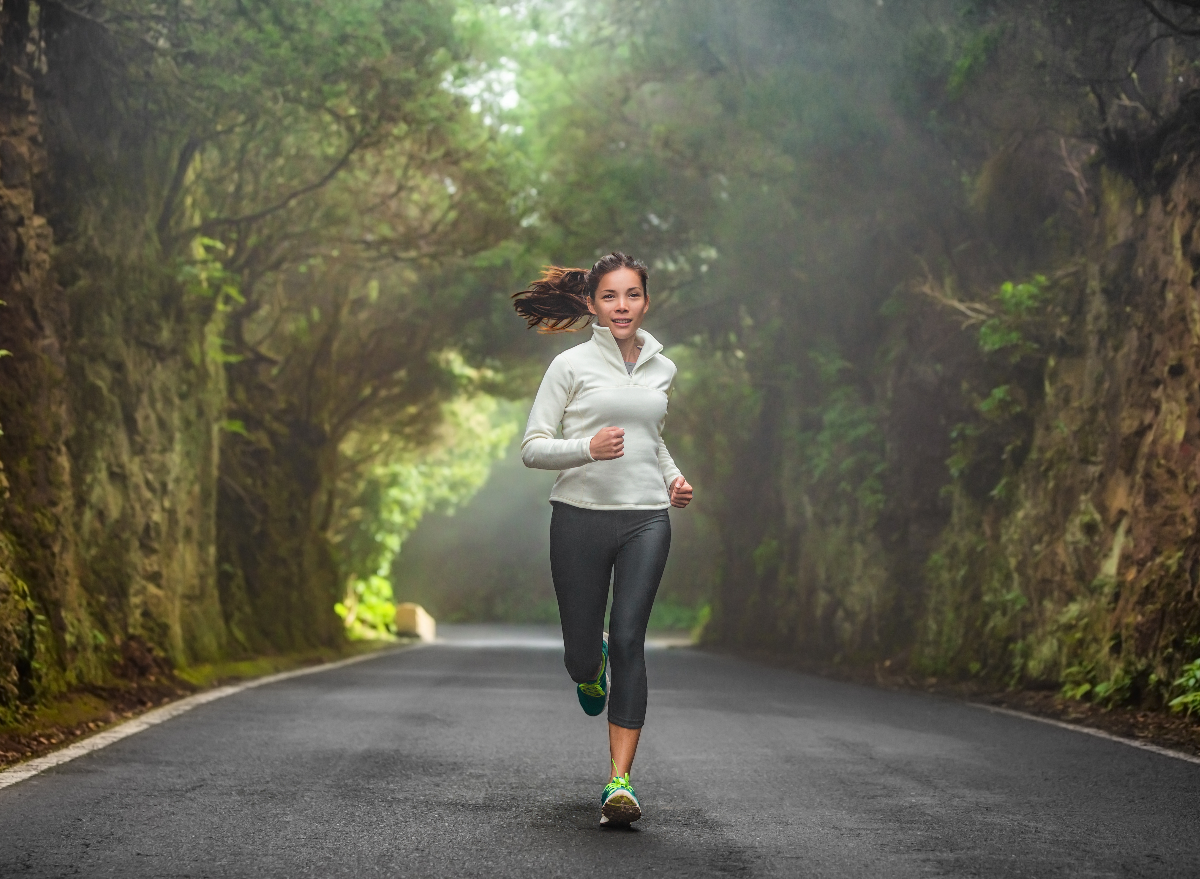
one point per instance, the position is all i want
(1091, 731)
(104, 738)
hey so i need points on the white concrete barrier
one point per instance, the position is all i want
(412, 619)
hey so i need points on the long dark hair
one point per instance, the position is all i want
(558, 300)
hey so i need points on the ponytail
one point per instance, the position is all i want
(558, 300)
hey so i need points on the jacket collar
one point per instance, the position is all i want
(607, 343)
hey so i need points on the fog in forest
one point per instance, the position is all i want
(489, 560)
(925, 268)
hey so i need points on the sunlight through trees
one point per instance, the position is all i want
(925, 266)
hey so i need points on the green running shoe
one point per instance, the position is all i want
(593, 693)
(619, 804)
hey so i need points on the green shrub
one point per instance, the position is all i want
(1189, 681)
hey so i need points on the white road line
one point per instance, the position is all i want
(1087, 730)
(22, 771)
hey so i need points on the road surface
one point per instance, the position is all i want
(472, 758)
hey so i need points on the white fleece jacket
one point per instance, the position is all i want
(586, 389)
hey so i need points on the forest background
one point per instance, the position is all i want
(927, 268)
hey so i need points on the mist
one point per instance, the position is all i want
(925, 269)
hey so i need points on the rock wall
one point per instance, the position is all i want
(1090, 576)
(111, 398)
(147, 402)
(1035, 523)
(45, 628)
(144, 378)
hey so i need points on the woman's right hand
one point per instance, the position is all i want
(609, 443)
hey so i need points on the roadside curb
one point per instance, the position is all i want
(1074, 727)
(30, 768)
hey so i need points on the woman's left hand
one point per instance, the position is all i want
(681, 493)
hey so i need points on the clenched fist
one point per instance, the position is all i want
(609, 443)
(681, 493)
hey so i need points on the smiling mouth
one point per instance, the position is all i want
(622, 321)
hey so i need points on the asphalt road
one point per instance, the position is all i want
(472, 758)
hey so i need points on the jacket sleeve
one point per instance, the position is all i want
(667, 465)
(541, 448)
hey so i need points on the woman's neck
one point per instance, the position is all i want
(629, 348)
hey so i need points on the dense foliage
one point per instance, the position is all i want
(893, 243)
(925, 267)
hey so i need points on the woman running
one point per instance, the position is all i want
(610, 500)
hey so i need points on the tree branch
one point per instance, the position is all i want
(1153, 9)
(163, 227)
(79, 13)
(219, 222)
(972, 312)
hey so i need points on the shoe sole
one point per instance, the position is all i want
(621, 809)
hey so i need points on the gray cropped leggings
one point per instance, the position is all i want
(585, 548)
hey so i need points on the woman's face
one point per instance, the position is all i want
(620, 303)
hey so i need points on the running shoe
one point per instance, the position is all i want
(619, 804)
(593, 693)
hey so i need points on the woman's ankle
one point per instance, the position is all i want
(616, 772)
